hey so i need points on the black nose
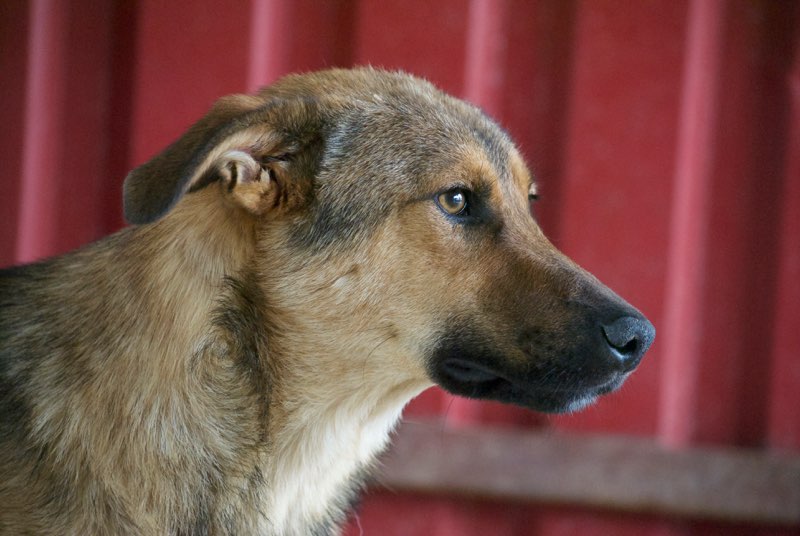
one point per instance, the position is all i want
(629, 338)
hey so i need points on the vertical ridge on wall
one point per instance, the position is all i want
(540, 65)
(41, 152)
(757, 95)
(485, 66)
(14, 40)
(84, 175)
(783, 425)
(683, 307)
(268, 47)
(740, 255)
(124, 29)
(301, 35)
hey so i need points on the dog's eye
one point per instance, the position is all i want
(533, 193)
(533, 197)
(453, 202)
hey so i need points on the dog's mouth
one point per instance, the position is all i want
(469, 372)
(466, 377)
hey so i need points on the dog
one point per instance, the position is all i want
(301, 264)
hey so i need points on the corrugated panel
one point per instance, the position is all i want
(666, 137)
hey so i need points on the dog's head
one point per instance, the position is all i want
(396, 220)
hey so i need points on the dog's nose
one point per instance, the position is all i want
(629, 337)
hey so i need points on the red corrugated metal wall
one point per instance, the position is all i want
(665, 135)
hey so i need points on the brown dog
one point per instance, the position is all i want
(305, 261)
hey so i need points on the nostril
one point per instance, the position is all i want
(629, 338)
(630, 347)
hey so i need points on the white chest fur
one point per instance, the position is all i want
(320, 452)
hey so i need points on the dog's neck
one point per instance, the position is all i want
(326, 423)
(319, 429)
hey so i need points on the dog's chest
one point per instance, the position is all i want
(318, 470)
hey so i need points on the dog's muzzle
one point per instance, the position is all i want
(550, 372)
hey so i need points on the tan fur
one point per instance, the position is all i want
(233, 364)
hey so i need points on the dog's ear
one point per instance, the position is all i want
(245, 142)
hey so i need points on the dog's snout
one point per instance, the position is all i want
(628, 338)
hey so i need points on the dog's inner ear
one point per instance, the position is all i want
(244, 144)
(254, 184)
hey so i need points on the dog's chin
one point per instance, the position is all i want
(474, 380)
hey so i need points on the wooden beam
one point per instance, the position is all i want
(627, 474)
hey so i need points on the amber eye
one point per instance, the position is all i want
(533, 193)
(453, 202)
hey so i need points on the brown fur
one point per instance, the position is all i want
(234, 363)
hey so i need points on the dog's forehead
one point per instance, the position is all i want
(416, 136)
(395, 120)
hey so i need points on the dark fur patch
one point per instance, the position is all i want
(15, 359)
(15, 413)
(239, 315)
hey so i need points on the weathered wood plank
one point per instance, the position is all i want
(628, 474)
